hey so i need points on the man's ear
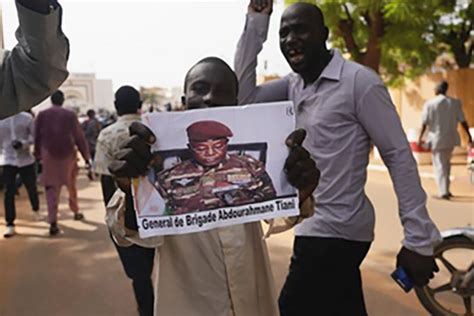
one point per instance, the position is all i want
(326, 33)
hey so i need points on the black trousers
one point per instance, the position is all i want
(324, 278)
(28, 177)
(138, 265)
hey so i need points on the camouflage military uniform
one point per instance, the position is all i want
(190, 187)
(109, 140)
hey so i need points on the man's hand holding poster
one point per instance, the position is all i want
(221, 166)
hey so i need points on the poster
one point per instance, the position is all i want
(221, 166)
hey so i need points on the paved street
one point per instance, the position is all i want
(78, 273)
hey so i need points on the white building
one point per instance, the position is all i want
(83, 91)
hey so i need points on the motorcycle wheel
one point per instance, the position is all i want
(429, 296)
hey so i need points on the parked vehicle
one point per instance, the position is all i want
(451, 291)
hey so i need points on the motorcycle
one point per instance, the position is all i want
(454, 284)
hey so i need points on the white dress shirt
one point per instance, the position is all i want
(18, 127)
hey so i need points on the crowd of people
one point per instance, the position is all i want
(339, 105)
(56, 135)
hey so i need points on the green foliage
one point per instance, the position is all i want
(406, 42)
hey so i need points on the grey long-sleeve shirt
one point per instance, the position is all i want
(37, 64)
(343, 112)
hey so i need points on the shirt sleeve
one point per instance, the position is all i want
(245, 64)
(425, 114)
(37, 64)
(379, 118)
(103, 156)
(115, 219)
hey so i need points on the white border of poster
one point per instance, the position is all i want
(164, 204)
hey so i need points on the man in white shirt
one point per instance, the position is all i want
(441, 116)
(16, 137)
(223, 271)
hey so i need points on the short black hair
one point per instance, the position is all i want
(57, 98)
(442, 87)
(216, 61)
(90, 113)
(127, 100)
(313, 10)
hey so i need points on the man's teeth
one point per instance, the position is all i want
(294, 52)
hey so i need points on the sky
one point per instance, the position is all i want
(153, 43)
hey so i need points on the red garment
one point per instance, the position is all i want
(57, 133)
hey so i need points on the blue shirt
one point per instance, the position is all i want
(343, 112)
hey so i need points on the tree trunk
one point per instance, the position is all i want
(373, 54)
(462, 56)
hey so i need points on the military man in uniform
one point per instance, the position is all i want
(213, 178)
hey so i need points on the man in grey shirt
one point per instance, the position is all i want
(344, 108)
(37, 64)
(441, 116)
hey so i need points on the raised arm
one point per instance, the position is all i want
(245, 61)
(37, 64)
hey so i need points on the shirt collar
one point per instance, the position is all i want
(333, 69)
(129, 117)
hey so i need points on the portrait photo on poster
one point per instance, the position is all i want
(221, 166)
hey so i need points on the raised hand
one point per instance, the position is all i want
(262, 6)
(134, 156)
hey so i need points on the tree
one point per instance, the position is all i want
(389, 36)
(452, 30)
(149, 96)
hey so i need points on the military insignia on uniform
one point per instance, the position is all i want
(225, 188)
(183, 182)
(239, 178)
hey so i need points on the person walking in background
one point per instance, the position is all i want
(57, 133)
(440, 117)
(91, 128)
(37, 65)
(137, 261)
(16, 137)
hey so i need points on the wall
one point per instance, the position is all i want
(409, 99)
